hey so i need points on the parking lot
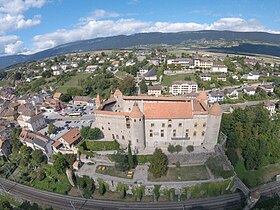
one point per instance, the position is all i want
(64, 122)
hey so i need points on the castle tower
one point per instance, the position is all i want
(119, 100)
(98, 100)
(213, 126)
(137, 128)
(202, 96)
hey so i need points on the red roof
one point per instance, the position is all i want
(178, 110)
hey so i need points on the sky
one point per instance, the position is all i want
(29, 26)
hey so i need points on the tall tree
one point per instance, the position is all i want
(51, 128)
(159, 162)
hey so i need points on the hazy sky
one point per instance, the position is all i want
(27, 26)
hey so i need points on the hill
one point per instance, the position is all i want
(154, 38)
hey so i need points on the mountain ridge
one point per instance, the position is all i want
(151, 38)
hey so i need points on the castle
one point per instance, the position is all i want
(155, 122)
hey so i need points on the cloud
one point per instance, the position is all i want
(98, 15)
(100, 28)
(10, 45)
(12, 19)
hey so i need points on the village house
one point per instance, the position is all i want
(270, 106)
(222, 77)
(216, 96)
(267, 88)
(250, 91)
(37, 141)
(83, 100)
(183, 87)
(151, 75)
(67, 143)
(219, 67)
(232, 93)
(154, 90)
(251, 76)
(205, 77)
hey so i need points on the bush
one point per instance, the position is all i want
(190, 148)
(178, 148)
(171, 148)
(156, 191)
(232, 156)
(178, 165)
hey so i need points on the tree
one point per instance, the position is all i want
(66, 97)
(102, 187)
(121, 162)
(60, 163)
(51, 129)
(122, 188)
(156, 191)
(130, 157)
(17, 76)
(158, 166)
(190, 148)
(94, 133)
(5, 205)
(143, 86)
(25, 152)
(178, 148)
(84, 131)
(171, 148)
(128, 86)
(38, 157)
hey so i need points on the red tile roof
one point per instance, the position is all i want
(179, 110)
(71, 136)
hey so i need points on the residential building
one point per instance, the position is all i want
(270, 106)
(250, 91)
(155, 122)
(67, 143)
(83, 100)
(232, 93)
(222, 77)
(151, 75)
(205, 77)
(267, 88)
(183, 87)
(251, 76)
(219, 67)
(183, 62)
(216, 96)
(154, 90)
(204, 63)
(37, 141)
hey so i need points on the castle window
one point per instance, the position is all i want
(162, 133)
(152, 124)
(203, 133)
(117, 136)
(109, 129)
(180, 124)
(169, 125)
(108, 123)
(129, 109)
(134, 120)
(194, 133)
(137, 140)
(113, 136)
(174, 133)
(204, 124)
(187, 133)
(122, 137)
(163, 125)
(139, 119)
(151, 133)
(169, 120)
(195, 125)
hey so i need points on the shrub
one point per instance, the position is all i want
(178, 165)
(190, 148)
(178, 148)
(171, 148)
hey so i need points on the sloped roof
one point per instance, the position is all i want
(151, 73)
(135, 112)
(71, 136)
(117, 92)
(202, 96)
(178, 110)
(216, 110)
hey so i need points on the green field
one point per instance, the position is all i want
(73, 82)
(185, 173)
(167, 80)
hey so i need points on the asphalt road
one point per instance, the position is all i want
(63, 202)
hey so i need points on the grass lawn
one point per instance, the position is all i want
(185, 173)
(168, 79)
(261, 176)
(73, 82)
(99, 145)
(111, 171)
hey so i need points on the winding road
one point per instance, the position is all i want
(64, 202)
